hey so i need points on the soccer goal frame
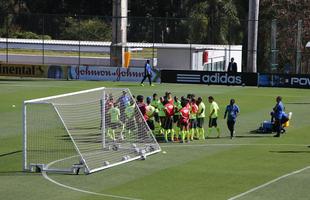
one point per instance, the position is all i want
(54, 142)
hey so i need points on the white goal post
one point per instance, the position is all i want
(91, 130)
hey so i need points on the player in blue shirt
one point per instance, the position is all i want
(147, 73)
(278, 111)
(232, 111)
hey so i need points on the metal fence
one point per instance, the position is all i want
(86, 39)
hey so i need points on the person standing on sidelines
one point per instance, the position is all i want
(278, 114)
(232, 111)
(214, 109)
(147, 73)
(232, 66)
(200, 118)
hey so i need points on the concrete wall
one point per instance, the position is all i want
(192, 59)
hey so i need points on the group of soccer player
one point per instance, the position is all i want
(183, 119)
(177, 119)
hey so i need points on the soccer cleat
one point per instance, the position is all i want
(152, 85)
(142, 84)
(277, 135)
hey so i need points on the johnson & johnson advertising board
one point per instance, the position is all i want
(100, 73)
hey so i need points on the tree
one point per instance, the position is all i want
(93, 29)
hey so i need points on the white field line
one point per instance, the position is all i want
(248, 144)
(268, 183)
(80, 190)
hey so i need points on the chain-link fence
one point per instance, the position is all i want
(81, 40)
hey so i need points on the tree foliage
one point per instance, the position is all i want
(86, 29)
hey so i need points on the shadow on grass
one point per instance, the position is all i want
(303, 103)
(10, 153)
(289, 151)
(254, 136)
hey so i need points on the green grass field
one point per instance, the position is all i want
(212, 169)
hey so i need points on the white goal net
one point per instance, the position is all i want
(91, 129)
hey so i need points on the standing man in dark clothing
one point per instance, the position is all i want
(278, 114)
(147, 73)
(232, 66)
(232, 111)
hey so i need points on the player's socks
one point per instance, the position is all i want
(188, 134)
(192, 133)
(113, 134)
(209, 132)
(109, 133)
(197, 134)
(218, 132)
(177, 132)
(202, 132)
(166, 135)
(183, 135)
(172, 135)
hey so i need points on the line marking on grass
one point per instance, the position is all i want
(249, 144)
(44, 174)
(268, 183)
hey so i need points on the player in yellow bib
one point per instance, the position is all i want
(214, 109)
(200, 118)
(130, 118)
(114, 114)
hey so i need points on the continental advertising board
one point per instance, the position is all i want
(38, 71)
(98, 73)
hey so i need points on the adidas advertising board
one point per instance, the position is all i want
(209, 78)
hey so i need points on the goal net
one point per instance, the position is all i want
(90, 130)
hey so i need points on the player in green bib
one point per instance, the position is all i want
(130, 118)
(155, 103)
(200, 118)
(214, 109)
(114, 114)
(161, 115)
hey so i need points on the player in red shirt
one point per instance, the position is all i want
(193, 119)
(169, 111)
(142, 106)
(184, 119)
(169, 97)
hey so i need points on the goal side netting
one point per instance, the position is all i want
(90, 130)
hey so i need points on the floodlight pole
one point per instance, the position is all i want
(119, 32)
(252, 36)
